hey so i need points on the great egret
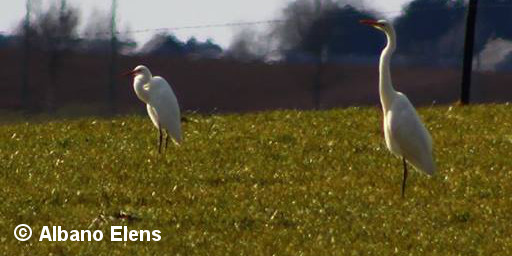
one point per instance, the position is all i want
(161, 103)
(405, 134)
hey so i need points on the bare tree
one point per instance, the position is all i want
(98, 34)
(301, 19)
(441, 37)
(53, 31)
(247, 46)
(312, 30)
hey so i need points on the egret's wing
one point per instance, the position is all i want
(411, 136)
(165, 105)
(152, 115)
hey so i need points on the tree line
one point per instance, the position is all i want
(429, 32)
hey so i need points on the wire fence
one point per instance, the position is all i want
(271, 21)
(59, 83)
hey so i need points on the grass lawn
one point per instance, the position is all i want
(283, 183)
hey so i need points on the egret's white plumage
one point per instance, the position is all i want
(161, 103)
(405, 134)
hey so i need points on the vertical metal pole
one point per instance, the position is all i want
(62, 7)
(468, 52)
(25, 93)
(317, 79)
(113, 59)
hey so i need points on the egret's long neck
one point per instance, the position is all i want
(387, 93)
(138, 85)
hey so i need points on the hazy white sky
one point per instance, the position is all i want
(149, 14)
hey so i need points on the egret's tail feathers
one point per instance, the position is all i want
(428, 167)
(177, 139)
(430, 170)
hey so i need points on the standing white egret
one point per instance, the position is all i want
(161, 103)
(405, 134)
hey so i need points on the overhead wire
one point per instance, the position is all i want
(270, 21)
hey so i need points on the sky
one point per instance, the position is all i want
(153, 14)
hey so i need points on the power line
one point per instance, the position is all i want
(269, 22)
(205, 26)
(277, 21)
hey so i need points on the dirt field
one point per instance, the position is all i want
(227, 86)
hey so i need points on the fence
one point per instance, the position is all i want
(90, 82)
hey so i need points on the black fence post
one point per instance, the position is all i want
(25, 93)
(468, 53)
(113, 61)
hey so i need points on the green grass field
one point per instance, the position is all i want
(283, 183)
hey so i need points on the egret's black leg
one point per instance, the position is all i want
(166, 140)
(405, 177)
(160, 139)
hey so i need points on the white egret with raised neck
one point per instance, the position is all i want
(405, 134)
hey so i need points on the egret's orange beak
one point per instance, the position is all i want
(372, 23)
(129, 73)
